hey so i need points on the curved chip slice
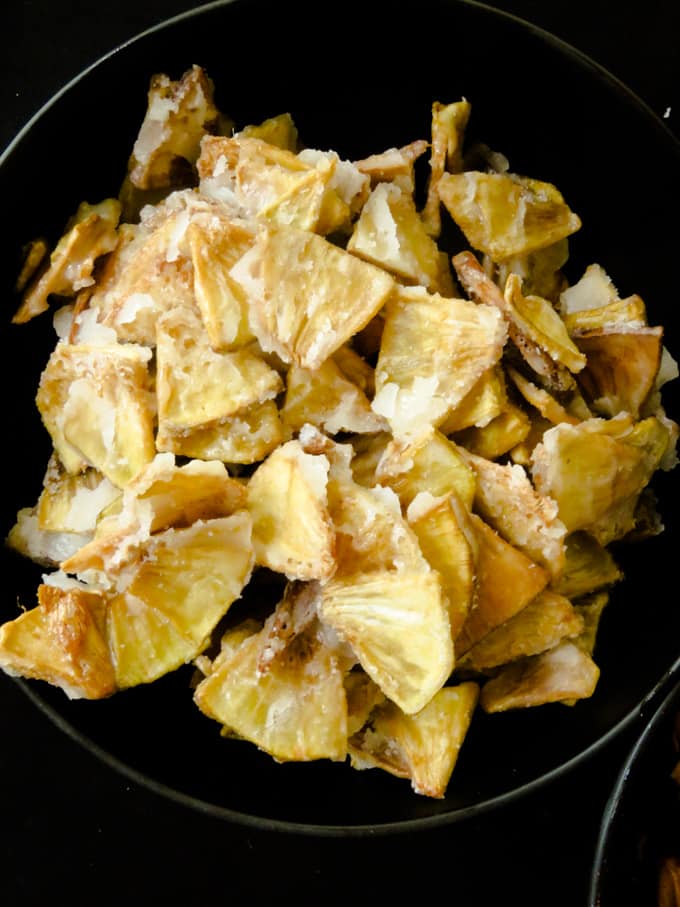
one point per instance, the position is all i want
(423, 747)
(292, 530)
(296, 710)
(398, 626)
(182, 585)
(61, 641)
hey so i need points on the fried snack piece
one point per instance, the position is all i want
(279, 130)
(95, 404)
(220, 299)
(43, 546)
(397, 624)
(588, 566)
(423, 747)
(173, 596)
(433, 352)
(390, 233)
(70, 503)
(545, 622)
(589, 609)
(197, 387)
(162, 496)
(245, 438)
(296, 710)
(395, 165)
(503, 214)
(62, 641)
(326, 398)
(449, 546)
(89, 235)
(622, 367)
(484, 402)
(499, 436)
(506, 581)
(432, 464)
(449, 122)
(562, 674)
(596, 470)
(292, 529)
(506, 499)
(307, 296)
(363, 695)
(547, 405)
(178, 115)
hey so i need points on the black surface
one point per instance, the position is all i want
(74, 830)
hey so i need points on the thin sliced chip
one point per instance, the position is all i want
(423, 747)
(503, 214)
(398, 626)
(95, 404)
(61, 641)
(295, 711)
(545, 622)
(449, 122)
(73, 503)
(486, 400)
(244, 438)
(506, 581)
(184, 583)
(589, 566)
(563, 674)
(292, 529)
(433, 352)
(499, 436)
(307, 296)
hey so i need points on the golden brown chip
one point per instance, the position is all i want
(423, 747)
(506, 581)
(61, 641)
(588, 567)
(563, 674)
(449, 122)
(545, 622)
(486, 400)
(397, 624)
(503, 214)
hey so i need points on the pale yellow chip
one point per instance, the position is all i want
(73, 503)
(326, 398)
(486, 400)
(90, 235)
(292, 530)
(433, 352)
(94, 402)
(182, 585)
(242, 439)
(295, 711)
(391, 234)
(220, 299)
(502, 214)
(398, 626)
(563, 674)
(199, 388)
(308, 296)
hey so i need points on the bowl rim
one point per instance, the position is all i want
(454, 816)
(659, 707)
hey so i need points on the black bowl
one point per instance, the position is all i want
(641, 822)
(363, 83)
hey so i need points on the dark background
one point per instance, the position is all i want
(75, 832)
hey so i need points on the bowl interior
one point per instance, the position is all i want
(360, 82)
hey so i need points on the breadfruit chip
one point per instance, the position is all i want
(562, 674)
(307, 296)
(95, 404)
(292, 530)
(182, 585)
(423, 747)
(295, 711)
(503, 214)
(433, 351)
(61, 641)
(449, 122)
(398, 626)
